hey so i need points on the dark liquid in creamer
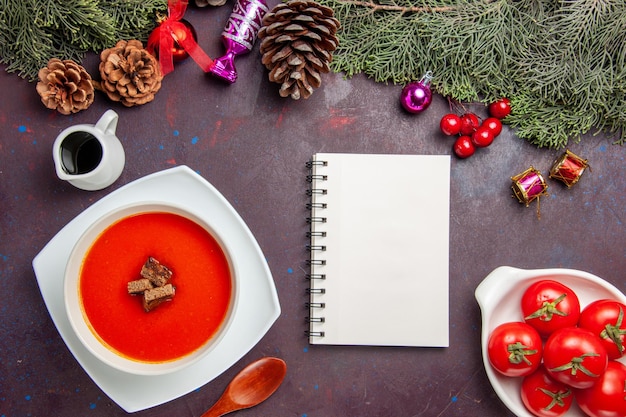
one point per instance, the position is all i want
(81, 152)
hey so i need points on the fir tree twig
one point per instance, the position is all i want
(32, 32)
(562, 63)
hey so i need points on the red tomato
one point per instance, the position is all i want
(545, 397)
(514, 349)
(463, 147)
(575, 357)
(548, 305)
(605, 318)
(450, 124)
(469, 123)
(482, 137)
(500, 108)
(494, 125)
(607, 398)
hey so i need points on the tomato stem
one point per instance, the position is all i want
(548, 309)
(557, 397)
(614, 332)
(576, 364)
(517, 353)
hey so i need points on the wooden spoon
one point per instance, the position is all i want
(253, 385)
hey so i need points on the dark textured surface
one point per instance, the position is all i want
(252, 146)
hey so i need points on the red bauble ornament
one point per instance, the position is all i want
(180, 33)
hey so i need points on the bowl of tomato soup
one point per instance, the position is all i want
(115, 325)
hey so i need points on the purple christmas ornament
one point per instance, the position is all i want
(416, 96)
(239, 36)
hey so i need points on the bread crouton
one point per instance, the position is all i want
(158, 274)
(139, 286)
(155, 296)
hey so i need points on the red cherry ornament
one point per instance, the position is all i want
(482, 137)
(180, 33)
(463, 147)
(493, 124)
(469, 123)
(450, 124)
(500, 108)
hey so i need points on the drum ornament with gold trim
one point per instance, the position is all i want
(529, 185)
(568, 168)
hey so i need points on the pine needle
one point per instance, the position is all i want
(32, 32)
(561, 62)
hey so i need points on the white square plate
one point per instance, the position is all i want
(257, 305)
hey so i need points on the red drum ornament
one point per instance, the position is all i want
(529, 185)
(568, 168)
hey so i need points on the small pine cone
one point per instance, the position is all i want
(297, 41)
(65, 86)
(130, 74)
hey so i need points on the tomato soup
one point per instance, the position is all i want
(201, 276)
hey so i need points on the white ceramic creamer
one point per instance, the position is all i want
(90, 157)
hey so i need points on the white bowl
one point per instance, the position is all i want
(499, 296)
(80, 323)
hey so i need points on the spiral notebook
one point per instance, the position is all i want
(379, 242)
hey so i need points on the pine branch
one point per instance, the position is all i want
(376, 7)
(561, 62)
(33, 32)
(135, 19)
(78, 23)
(24, 45)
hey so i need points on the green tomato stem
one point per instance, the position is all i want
(518, 352)
(548, 310)
(576, 364)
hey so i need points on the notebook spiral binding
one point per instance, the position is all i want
(316, 220)
(311, 164)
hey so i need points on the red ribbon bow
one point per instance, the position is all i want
(176, 11)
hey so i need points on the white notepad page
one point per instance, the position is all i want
(386, 224)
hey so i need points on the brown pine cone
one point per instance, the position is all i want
(130, 74)
(297, 41)
(65, 86)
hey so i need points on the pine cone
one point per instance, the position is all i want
(298, 39)
(65, 86)
(130, 74)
